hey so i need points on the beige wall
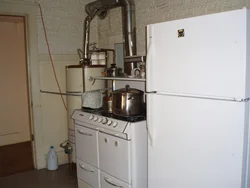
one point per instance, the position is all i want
(54, 115)
(148, 12)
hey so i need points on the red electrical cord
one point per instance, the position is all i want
(52, 63)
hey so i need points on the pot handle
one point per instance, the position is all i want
(127, 87)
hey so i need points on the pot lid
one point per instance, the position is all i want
(127, 89)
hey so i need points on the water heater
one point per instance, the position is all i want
(75, 83)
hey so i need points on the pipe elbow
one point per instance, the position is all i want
(91, 7)
(127, 3)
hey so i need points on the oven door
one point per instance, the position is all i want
(115, 156)
(88, 174)
(82, 184)
(87, 145)
(108, 181)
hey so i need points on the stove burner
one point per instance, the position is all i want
(101, 112)
(125, 118)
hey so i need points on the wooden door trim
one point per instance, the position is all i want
(28, 10)
(17, 19)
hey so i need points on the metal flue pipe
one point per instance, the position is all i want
(100, 8)
(128, 25)
(86, 32)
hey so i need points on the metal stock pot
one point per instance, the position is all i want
(127, 102)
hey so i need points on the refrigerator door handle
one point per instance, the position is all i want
(204, 97)
(149, 126)
(148, 59)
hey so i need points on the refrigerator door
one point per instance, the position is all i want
(203, 55)
(198, 143)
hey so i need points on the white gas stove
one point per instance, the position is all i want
(107, 123)
(110, 152)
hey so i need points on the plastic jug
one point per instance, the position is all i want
(52, 163)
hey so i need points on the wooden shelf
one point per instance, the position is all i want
(120, 78)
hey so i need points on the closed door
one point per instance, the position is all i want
(15, 135)
(197, 143)
(88, 174)
(87, 145)
(82, 184)
(115, 156)
(108, 181)
(210, 59)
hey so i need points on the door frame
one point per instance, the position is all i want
(29, 10)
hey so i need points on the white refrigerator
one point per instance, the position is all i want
(198, 81)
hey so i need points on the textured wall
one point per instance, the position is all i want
(154, 11)
(64, 24)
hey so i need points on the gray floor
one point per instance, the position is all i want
(61, 178)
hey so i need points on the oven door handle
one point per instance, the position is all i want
(111, 183)
(86, 169)
(83, 133)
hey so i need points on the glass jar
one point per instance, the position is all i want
(142, 70)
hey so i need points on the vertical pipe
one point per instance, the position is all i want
(86, 33)
(129, 29)
(129, 34)
(86, 36)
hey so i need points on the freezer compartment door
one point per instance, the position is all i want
(208, 59)
(197, 143)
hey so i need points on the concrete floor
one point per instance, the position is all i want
(61, 178)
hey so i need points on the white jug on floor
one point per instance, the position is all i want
(52, 163)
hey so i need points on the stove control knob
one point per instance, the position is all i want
(95, 119)
(104, 120)
(100, 120)
(91, 117)
(109, 122)
(115, 124)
